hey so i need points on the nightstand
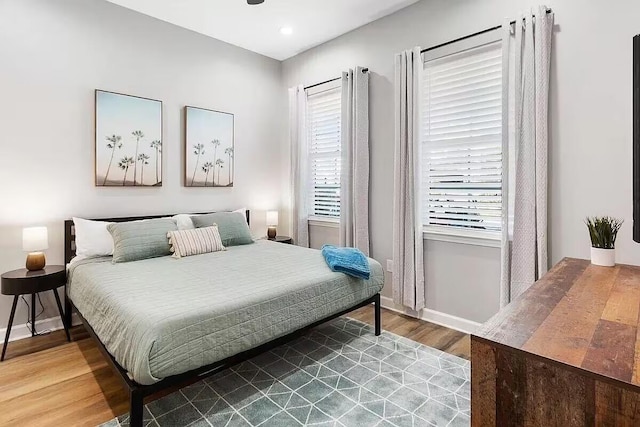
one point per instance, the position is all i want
(282, 239)
(25, 282)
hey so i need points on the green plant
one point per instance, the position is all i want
(603, 231)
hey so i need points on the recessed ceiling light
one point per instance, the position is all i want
(286, 31)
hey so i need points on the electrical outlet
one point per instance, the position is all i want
(390, 265)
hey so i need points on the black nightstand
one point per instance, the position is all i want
(24, 282)
(282, 239)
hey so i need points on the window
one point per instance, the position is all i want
(462, 143)
(323, 125)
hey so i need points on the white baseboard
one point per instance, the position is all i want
(51, 324)
(433, 316)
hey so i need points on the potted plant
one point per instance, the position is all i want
(603, 232)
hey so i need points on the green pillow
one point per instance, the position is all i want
(232, 226)
(136, 240)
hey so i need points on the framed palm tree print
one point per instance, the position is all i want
(209, 139)
(128, 140)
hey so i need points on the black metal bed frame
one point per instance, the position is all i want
(138, 392)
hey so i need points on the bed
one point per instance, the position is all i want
(195, 316)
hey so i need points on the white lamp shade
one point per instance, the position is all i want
(272, 218)
(35, 239)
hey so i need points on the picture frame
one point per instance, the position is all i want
(128, 140)
(209, 144)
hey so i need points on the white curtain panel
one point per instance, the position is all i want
(408, 253)
(299, 166)
(354, 176)
(526, 63)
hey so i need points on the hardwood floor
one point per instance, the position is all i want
(46, 381)
(445, 339)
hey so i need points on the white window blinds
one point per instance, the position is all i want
(323, 123)
(462, 141)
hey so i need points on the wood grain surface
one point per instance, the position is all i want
(565, 353)
(578, 314)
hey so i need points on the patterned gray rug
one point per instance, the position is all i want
(339, 374)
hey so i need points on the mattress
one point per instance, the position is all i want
(165, 316)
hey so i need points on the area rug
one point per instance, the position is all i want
(339, 374)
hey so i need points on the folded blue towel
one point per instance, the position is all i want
(350, 261)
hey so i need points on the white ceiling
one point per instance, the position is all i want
(257, 28)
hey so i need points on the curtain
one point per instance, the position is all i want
(354, 175)
(299, 166)
(408, 261)
(526, 63)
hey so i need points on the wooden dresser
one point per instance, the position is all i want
(565, 353)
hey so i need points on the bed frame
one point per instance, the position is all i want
(138, 392)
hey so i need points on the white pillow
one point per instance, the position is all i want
(92, 238)
(242, 211)
(183, 221)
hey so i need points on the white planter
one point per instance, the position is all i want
(603, 257)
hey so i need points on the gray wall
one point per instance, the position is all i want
(590, 118)
(54, 53)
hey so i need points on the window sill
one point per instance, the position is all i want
(486, 239)
(324, 222)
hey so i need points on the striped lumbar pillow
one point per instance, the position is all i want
(195, 242)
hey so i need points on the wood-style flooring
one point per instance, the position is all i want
(46, 381)
(445, 339)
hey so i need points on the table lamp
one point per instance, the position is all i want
(35, 240)
(272, 222)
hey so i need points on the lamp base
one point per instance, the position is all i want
(271, 232)
(35, 261)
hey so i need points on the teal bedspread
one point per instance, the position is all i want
(165, 316)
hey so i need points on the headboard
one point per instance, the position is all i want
(70, 236)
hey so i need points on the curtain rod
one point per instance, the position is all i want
(364, 70)
(488, 30)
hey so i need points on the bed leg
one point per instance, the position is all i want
(376, 304)
(67, 308)
(136, 407)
